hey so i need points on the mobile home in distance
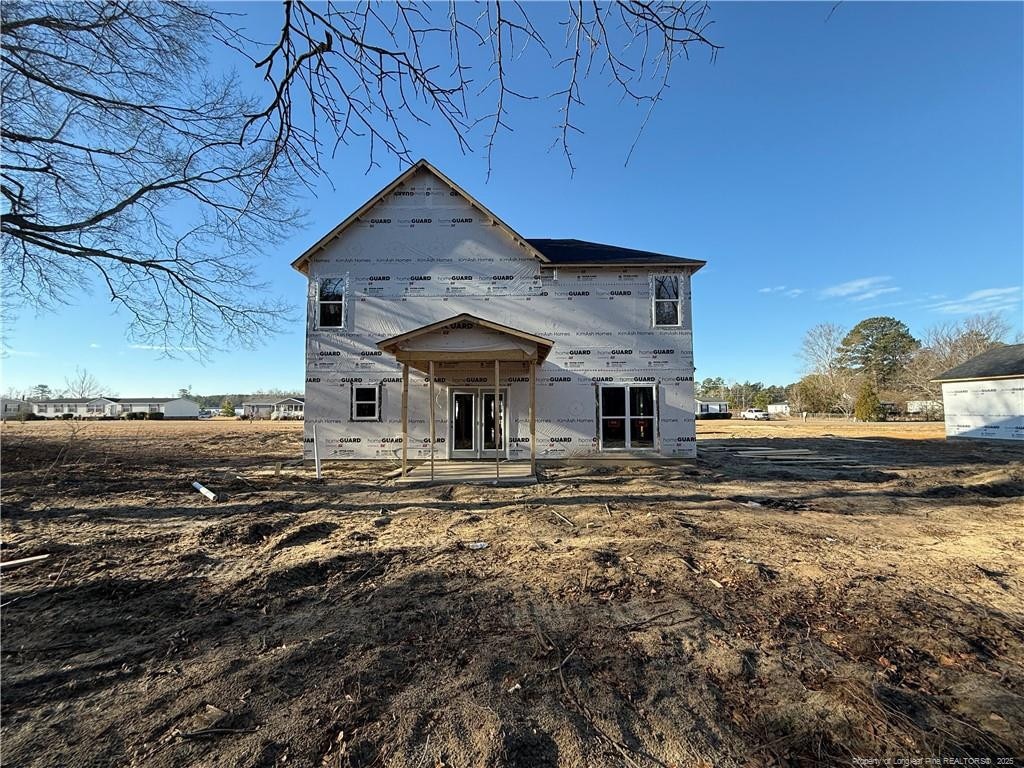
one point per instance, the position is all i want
(435, 331)
(12, 408)
(712, 409)
(115, 407)
(257, 409)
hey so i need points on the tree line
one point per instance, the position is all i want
(867, 370)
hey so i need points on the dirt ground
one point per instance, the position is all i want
(865, 600)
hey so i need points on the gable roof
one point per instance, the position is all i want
(301, 263)
(543, 345)
(1005, 362)
(583, 253)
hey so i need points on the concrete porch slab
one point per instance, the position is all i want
(473, 472)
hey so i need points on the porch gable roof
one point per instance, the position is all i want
(507, 343)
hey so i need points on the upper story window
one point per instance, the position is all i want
(331, 303)
(667, 308)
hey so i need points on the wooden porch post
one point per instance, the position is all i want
(405, 419)
(497, 422)
(533, 418)
(431, 419)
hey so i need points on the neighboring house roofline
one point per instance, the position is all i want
(1003, 362)
(301, 263)
(980, 378)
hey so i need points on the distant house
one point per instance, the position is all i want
(257, 409)
(12, 408)
(271, 408)
(289, 408)
(115, 407)
(984, 397)
(711, 409)
(778, 409)
(929, 409)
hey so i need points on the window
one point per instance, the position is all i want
(331, 303)
(627, 417)
(365, 403)
(667, 310)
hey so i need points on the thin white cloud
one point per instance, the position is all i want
(19, 353)
(852, 289)
(984, 300)
(776, 289)
(873, 293)
(794, 292)
(94, 345)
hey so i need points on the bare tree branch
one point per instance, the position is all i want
(128, 167)
(364, 70)
(123, 164)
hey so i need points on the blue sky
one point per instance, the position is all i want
(827, 171)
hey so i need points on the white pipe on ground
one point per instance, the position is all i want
(205, 491)
(316, 454)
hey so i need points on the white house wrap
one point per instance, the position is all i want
(424, 276)
(984, 397)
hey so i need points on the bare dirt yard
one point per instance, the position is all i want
(859, 597)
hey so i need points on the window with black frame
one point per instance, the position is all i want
(331, 302)
(627, 417)
(667, 309)
(365, 403)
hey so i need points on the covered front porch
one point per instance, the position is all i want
(476, 444)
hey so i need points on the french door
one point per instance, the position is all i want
(472, 423)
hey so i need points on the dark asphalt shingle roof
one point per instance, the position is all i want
(568, 252)
(1002, 361)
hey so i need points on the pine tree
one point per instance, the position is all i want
(867, 407)
(227, 408)
(879, 347)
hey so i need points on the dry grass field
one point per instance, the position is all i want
(862, 600)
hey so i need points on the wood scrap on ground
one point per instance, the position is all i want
(23, 561)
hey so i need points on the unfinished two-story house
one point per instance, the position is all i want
(438, 335)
